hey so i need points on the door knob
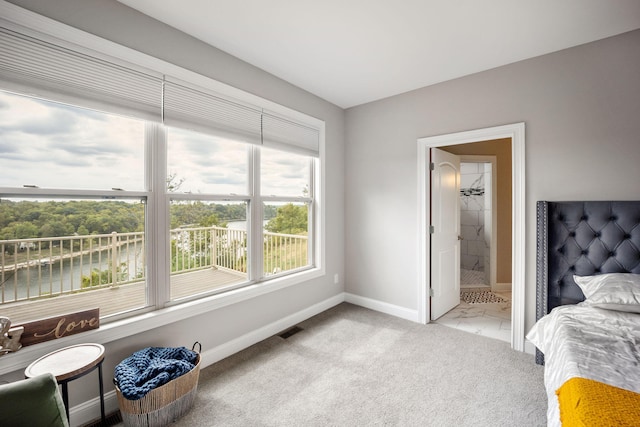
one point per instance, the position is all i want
(460, 238)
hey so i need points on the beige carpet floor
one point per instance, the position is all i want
(350, 366)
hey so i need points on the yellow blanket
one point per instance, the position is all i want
(591, 403)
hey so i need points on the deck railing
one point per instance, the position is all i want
(35, 268)
(43, 267)
(284, 252)
(197, 248)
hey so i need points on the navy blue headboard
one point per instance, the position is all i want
(582, 238)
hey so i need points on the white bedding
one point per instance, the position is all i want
(587, 342)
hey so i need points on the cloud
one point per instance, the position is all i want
(59, 146)
(4, 105)
(7, 145)
(222, 178)
(32, 116)
(55, 123)
(208, 164)
(284, 174)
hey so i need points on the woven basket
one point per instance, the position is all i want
(163, 405)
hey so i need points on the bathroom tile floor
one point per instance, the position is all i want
(491, 320)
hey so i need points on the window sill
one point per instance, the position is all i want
(141, 323)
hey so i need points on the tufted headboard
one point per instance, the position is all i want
(582, 238)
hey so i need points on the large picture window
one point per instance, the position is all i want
(130, 184)
(74, 211)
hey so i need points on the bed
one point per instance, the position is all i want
(587, 332)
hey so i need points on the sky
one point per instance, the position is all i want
(52, 145)
(56, 146)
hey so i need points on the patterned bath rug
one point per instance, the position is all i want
(480, 296)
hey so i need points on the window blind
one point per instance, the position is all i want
(32, 66)
(203, 111)
(36, 67)
(287, 135)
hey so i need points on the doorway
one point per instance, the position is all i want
(478, 218)
(485, 304)
(515, 133)
(479, 306)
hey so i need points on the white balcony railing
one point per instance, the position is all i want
(36, 268)
(44, 267)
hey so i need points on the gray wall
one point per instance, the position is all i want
(581, 107)
(114, 21)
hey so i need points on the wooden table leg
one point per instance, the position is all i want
(65, 398)
(104, 421)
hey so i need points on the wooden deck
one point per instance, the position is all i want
(121, 298)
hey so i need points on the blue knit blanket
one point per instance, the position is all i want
(152, 367)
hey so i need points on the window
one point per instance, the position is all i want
(211, 234)
(68, 241)
(130, 188)
(208, 235)
(287, 205)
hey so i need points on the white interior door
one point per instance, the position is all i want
(445, 234)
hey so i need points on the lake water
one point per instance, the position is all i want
(51, 279)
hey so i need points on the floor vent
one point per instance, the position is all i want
(289, 332)
(110, 420)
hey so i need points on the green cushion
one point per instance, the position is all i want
(34, 402)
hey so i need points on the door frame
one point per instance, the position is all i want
(516, 132)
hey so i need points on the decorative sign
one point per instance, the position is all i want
(60, 326)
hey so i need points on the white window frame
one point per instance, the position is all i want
(157, 227)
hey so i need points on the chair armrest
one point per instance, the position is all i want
(34, 402)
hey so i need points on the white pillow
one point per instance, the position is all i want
(611, 291)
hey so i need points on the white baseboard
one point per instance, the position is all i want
(227, 349)
(383, 307)
(89, 410)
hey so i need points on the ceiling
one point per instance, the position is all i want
(351, 52)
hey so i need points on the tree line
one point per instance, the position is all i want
(32, 219)
(39, 219)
